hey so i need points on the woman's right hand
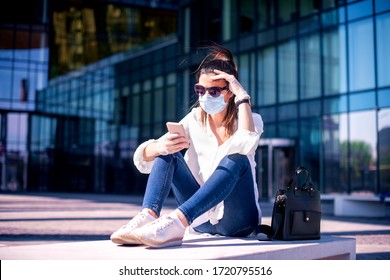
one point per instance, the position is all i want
(171, 143)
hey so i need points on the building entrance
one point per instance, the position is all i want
(276, 161)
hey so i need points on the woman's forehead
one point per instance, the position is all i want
(206, 78)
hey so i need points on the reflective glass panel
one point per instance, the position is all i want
(266, 68)
(361, 55)
(266, 13)
(310, 62)
(384, 150)
(287, 11)
(362, 151)
(384, 98)
(334, 61)
(359, 9)
(362, 101)
(383, 54)
(288, 77)
(382, 5)
(334, 139)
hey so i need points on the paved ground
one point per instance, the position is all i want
(44, 218)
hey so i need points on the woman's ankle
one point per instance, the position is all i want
(151, 212)
(181, 217)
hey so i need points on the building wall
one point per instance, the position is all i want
(316, 72)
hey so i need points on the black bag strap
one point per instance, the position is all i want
(306, 186)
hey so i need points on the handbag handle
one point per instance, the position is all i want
(306, 186)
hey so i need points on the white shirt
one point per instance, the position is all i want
(204, 155)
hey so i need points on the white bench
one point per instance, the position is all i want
(357, 205)
(195, 247)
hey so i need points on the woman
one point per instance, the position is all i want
(214, 183)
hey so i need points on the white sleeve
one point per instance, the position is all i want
(138, 158)
(246, 142)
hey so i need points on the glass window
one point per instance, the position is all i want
(362, 101)
(335, 105)
(361, 55)
(326, 4)
(362, 151)
(247, 73)
(287, 11)
(310, 62)
(334, 59)
(266, 13)
(384, 98)
(288, 129)
(268, 115)
(334, 139)
(359, 9)
(244, 66)
(20, 85)
(158, 96)
(310, 108)
(230, 17)
(308, 7)
(333, 17)
(384, 150)
(17, 132)
(288, 78)
(383, 54)
(247, 16)
(288, 112)
(146, 107)
(5, 85)
(310, 140)
(171, 97)
(382, 5)
(266, 69)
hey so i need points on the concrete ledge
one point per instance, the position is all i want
(195, 247)
(357, 206)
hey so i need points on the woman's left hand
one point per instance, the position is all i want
(234, 85)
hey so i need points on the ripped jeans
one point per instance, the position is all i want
(231, 182)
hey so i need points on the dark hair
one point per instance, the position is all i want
(219, 58)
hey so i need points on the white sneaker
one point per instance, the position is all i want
(123, 235)
(164, 232)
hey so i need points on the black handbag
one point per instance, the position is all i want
(296, 213)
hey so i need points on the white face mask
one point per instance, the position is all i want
(212, 105)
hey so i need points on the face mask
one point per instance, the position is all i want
(212, 105)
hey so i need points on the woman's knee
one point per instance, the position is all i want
(235, 159)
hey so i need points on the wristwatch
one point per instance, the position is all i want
(243, 101)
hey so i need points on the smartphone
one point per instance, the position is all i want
(176, 128)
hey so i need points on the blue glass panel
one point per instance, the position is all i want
(382, 5)
(361, 55)
(310, 108)
(288, 77)
(5, 84)
(362, 101)
(383, 54)
(288, 112)
(359, 9)
(335, 105)
(384, 98)
(268, 114)
(6, 54)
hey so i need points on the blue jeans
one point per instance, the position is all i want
(231, 182)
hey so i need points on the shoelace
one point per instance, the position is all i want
(162, 223)
(136, 221)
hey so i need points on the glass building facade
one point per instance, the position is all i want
(317, 72)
